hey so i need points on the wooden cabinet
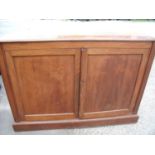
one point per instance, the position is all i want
(73, 84)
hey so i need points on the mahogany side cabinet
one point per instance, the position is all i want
(65, 84)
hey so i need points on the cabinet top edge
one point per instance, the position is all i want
(78, 44)
(51, 30)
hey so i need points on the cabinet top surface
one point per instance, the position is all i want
(53, 30)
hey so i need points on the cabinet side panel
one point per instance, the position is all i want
(7, 84)
(145, 77)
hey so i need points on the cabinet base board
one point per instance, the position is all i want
(44, 125)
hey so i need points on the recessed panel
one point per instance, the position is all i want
(46, 83)
(110, 81)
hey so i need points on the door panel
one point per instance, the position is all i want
(110, 81)
(45, 83)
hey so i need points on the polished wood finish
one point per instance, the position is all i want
(45, 83)
(145, 77)
(76, 44)
(7, 84)
(75, 83)
(111, 80)
(40, 125)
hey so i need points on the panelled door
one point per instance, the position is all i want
(45, 82)
(110, 81)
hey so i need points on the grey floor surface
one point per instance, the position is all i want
(145, 125)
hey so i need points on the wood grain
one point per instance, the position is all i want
(7, 84)
(45, 82)
(25, 126)
(145, 77)
(111, 79)
(77, 44)
(75, 83)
